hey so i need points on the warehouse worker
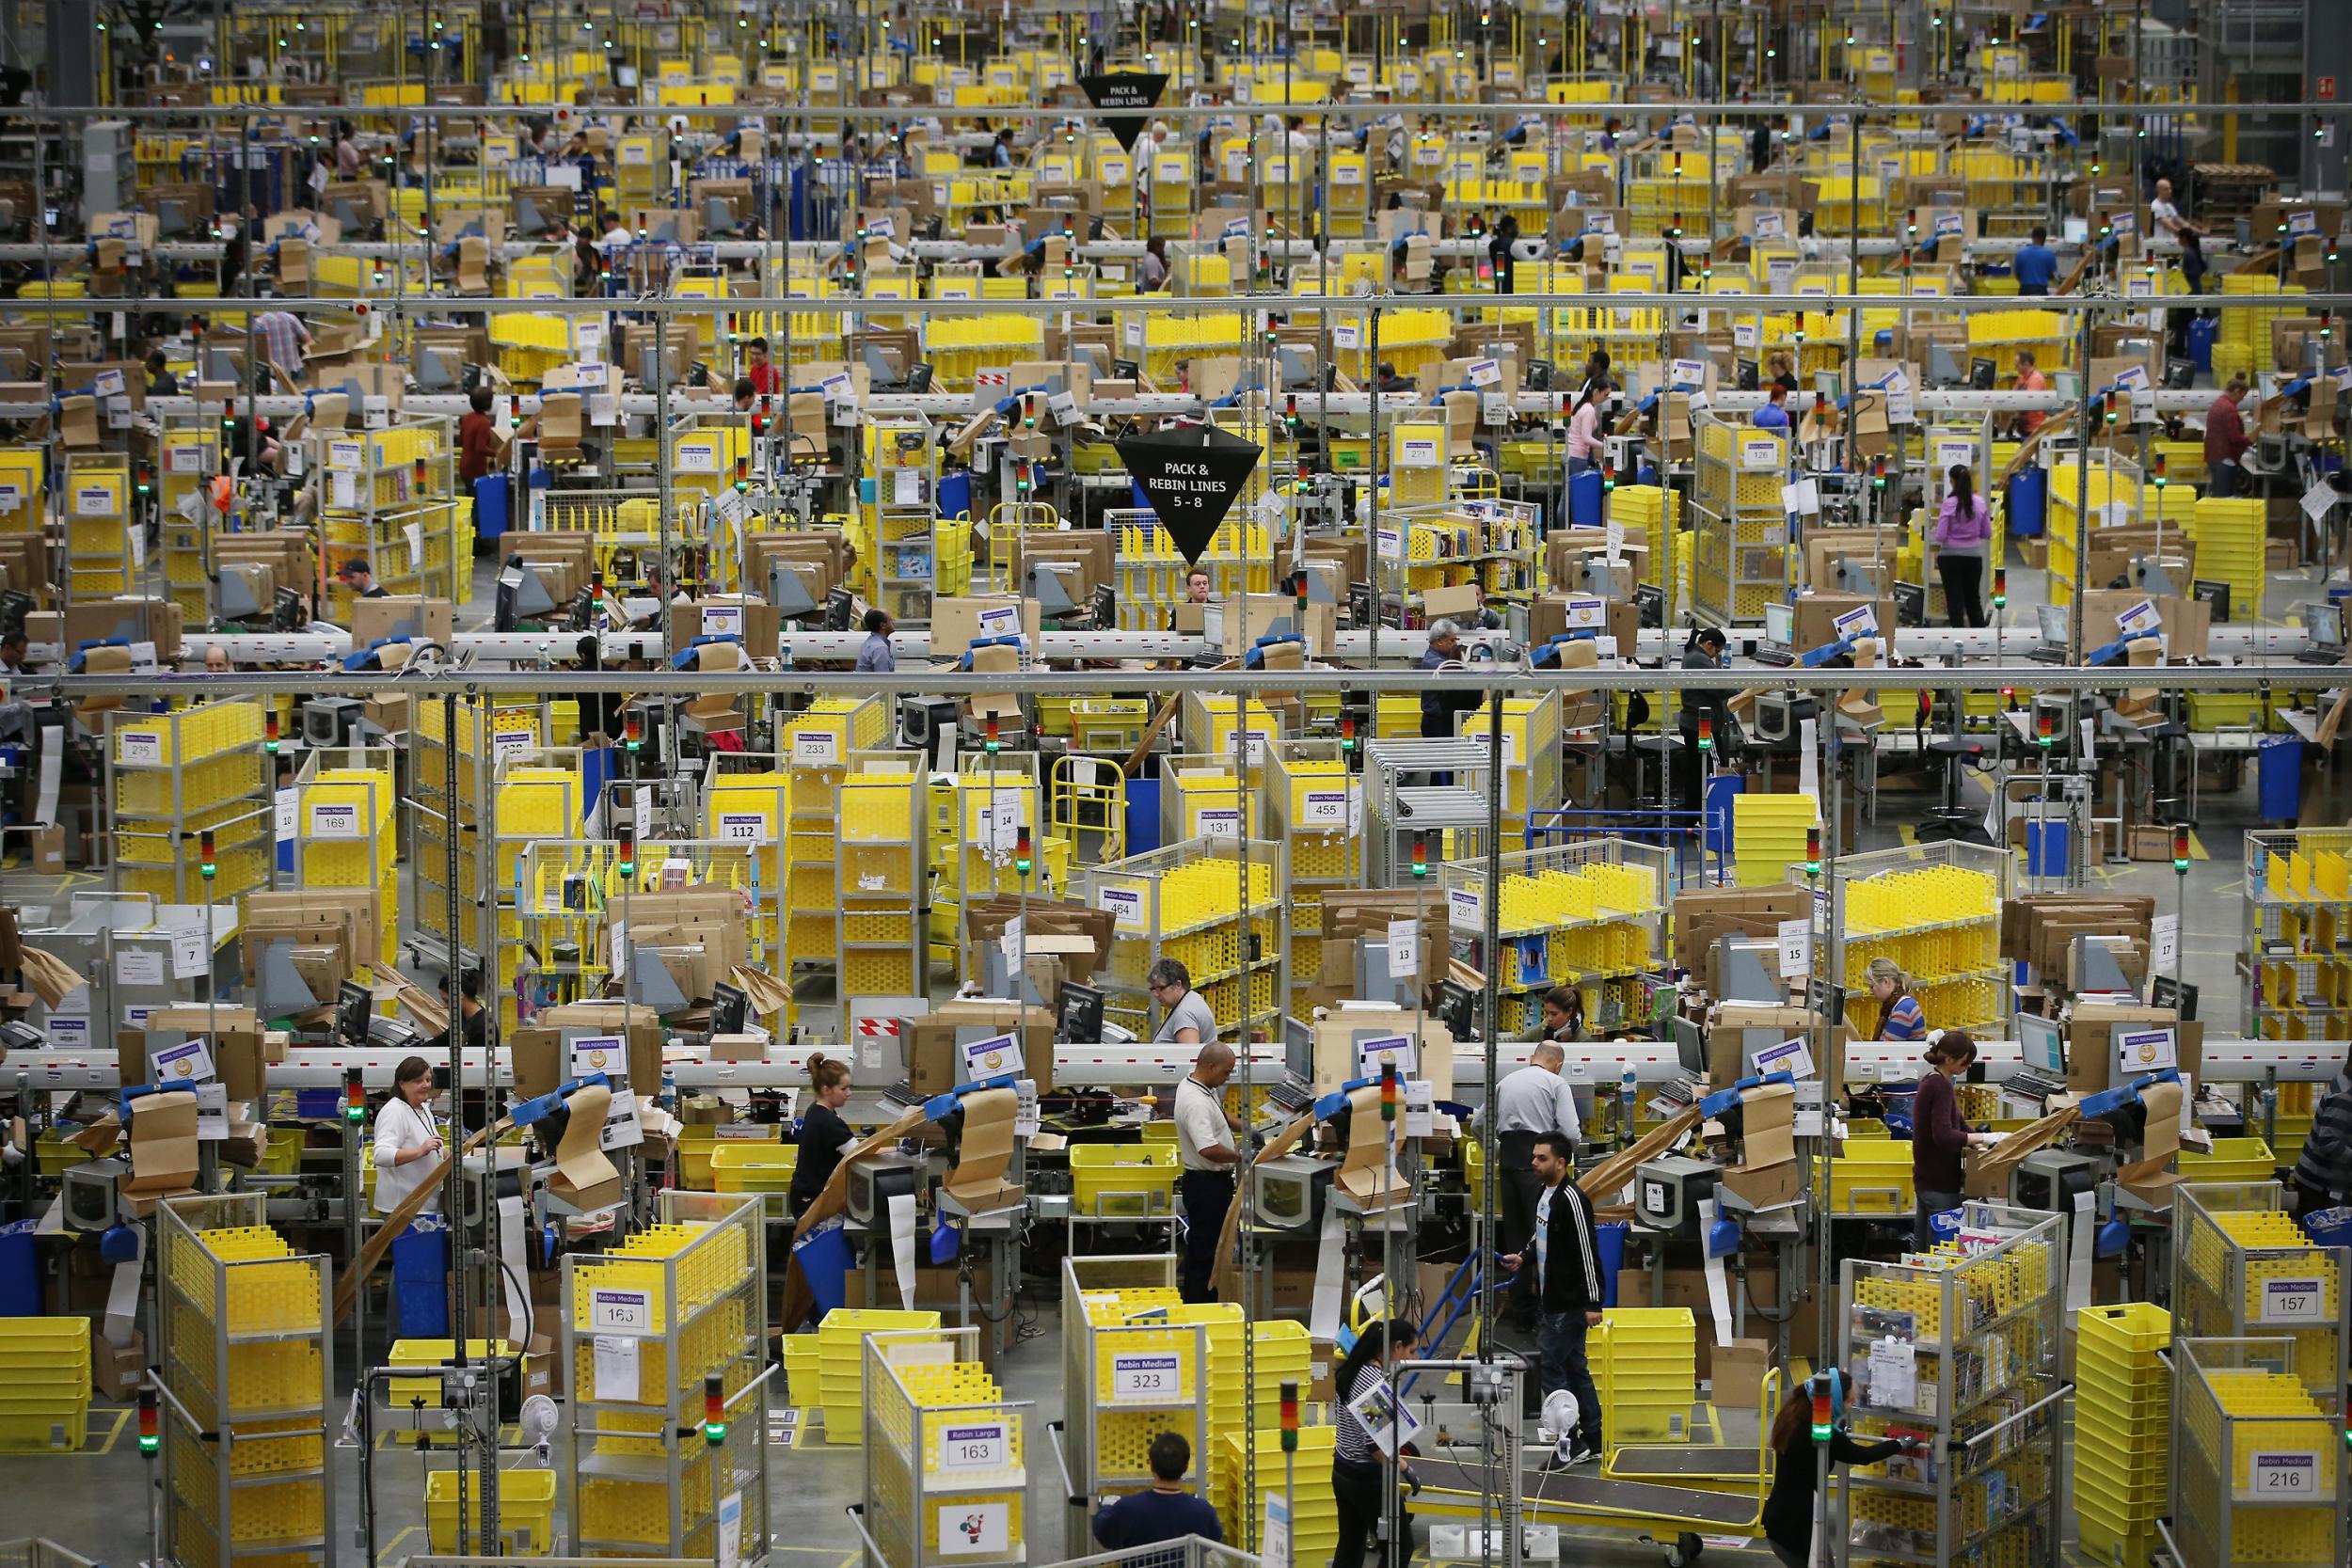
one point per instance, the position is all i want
(2030, 379)
(1207, 1150)
(361, 580)
(2323, 1176)
(1560, 1017)
(1585, 444)
(1939, 1138)
(1772, 414)
(1788, 1512)
(823, 1134)
(1437, 708)
(2036, 265)
(1570, 1287)
(1358, 1477)
(877, 658)
(407, 1145)
(1167, 1509)
(470, 1019)
(1187, 1020)
(761, 370)
(1532, 1103)
(1899, 1017)
(2226, 441)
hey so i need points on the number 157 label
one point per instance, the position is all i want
(2293, 1300)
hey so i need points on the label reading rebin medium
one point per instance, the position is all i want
(620, 1311)
(1144, 1379)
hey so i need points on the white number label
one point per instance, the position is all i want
(620, 1312)
(980, 1447)
(1144, 1378)
(2293, 1300)
(142, 746)
(2272, 1477)
(742, 827)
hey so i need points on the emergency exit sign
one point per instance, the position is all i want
(2325, 90)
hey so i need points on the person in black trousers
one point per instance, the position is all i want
(1571, 1287)
(1359, 1482)
(823, 1133)
(1797, 1475)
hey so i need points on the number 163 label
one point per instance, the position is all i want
(977, 1446)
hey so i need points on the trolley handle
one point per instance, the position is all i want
(1061, 1462)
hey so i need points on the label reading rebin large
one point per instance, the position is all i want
(980, 1446)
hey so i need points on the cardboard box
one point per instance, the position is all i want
(1817, 613)
(429, 620)
(116, 1371)
(1250, 616)
(1739, 1369)
(755, 620)
(958, 621)
(1338, 1034)
(540, 1064)
(163, 1151)
(935, 1059)
(2091, 1048)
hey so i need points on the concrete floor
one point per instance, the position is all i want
(86, 1500)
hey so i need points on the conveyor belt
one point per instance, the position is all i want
(1684, 1461)
(1586, 1491)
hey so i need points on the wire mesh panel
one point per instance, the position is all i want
(2257, 1463)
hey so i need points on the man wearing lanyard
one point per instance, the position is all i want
(1530, 1103)
(1207, 1148)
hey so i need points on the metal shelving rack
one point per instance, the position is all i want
(2242, 1266)
(101, 558)
(389, 499)
(1184, 901)
(819, 747)
(172, 776)
(1741, 555)
(939, 1465)
(1315, 808)
(903, 450)
(190, 456)
(1402, 797)
(1980, 1329)
(2258, 1472)
(1591, 916)
(1110, 1416)
(884, 809)
(644, 1480)
(1948, 941)
(247, 1371)
(2298, 914)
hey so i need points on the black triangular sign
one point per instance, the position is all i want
(1126, 89)
(1189, 477)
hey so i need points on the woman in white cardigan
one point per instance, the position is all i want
(407, 1144)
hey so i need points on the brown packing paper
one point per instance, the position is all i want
(50, 978)
(2147, 1178)
(1990, 1171)
(1365, 1172)
(1606, 1180)
(584, 1178)
(985, 1152)
(430, 1015)
(767, 993)
(163, 1147)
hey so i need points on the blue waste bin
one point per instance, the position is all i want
(1584, 499)
(20, 1271)
(420, 1280)
(2047, 844)
(2028, 503)
(1144, 814)
(2279, 778)
(1722, 791)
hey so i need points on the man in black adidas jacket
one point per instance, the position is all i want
(1569, 1286)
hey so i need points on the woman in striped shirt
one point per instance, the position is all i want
(1899, 1017)
(1356, 1461)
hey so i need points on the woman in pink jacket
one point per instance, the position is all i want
(1962, 536)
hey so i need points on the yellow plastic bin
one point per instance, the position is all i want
(526, 1513)
(1127, 1179)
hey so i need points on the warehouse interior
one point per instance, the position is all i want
(1218, 786)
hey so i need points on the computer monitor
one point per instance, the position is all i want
(1689, 1046)
(1780, 625)
(840, 608)
(2041, 1042)
(1943, 367)
(2215, 595)
(2051, 618)
(718, 215)
(1080, 1015)
(353, 1003)
(171, 218)
(529, 220)
(1981, 374)
(2323, 624)
(14, 606)
(1296, 370)
(730, 1008)
(1457, 1010)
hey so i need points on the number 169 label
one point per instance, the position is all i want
(1144, 1379)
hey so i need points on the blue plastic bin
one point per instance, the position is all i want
(2028, 503)
(2047, 845)
(2279, 771)
(420, 1280)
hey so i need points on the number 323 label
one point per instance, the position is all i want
(1144, 1379)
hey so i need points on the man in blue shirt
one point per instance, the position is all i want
(877, 656)
(1773, 414)
(2036, 263)
(1169, 1512)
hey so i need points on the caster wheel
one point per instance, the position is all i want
(1685, 1552)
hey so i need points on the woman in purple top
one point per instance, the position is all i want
(1963, 533)
(1938, 1136)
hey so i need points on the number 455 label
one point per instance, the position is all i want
(2295, 1301)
